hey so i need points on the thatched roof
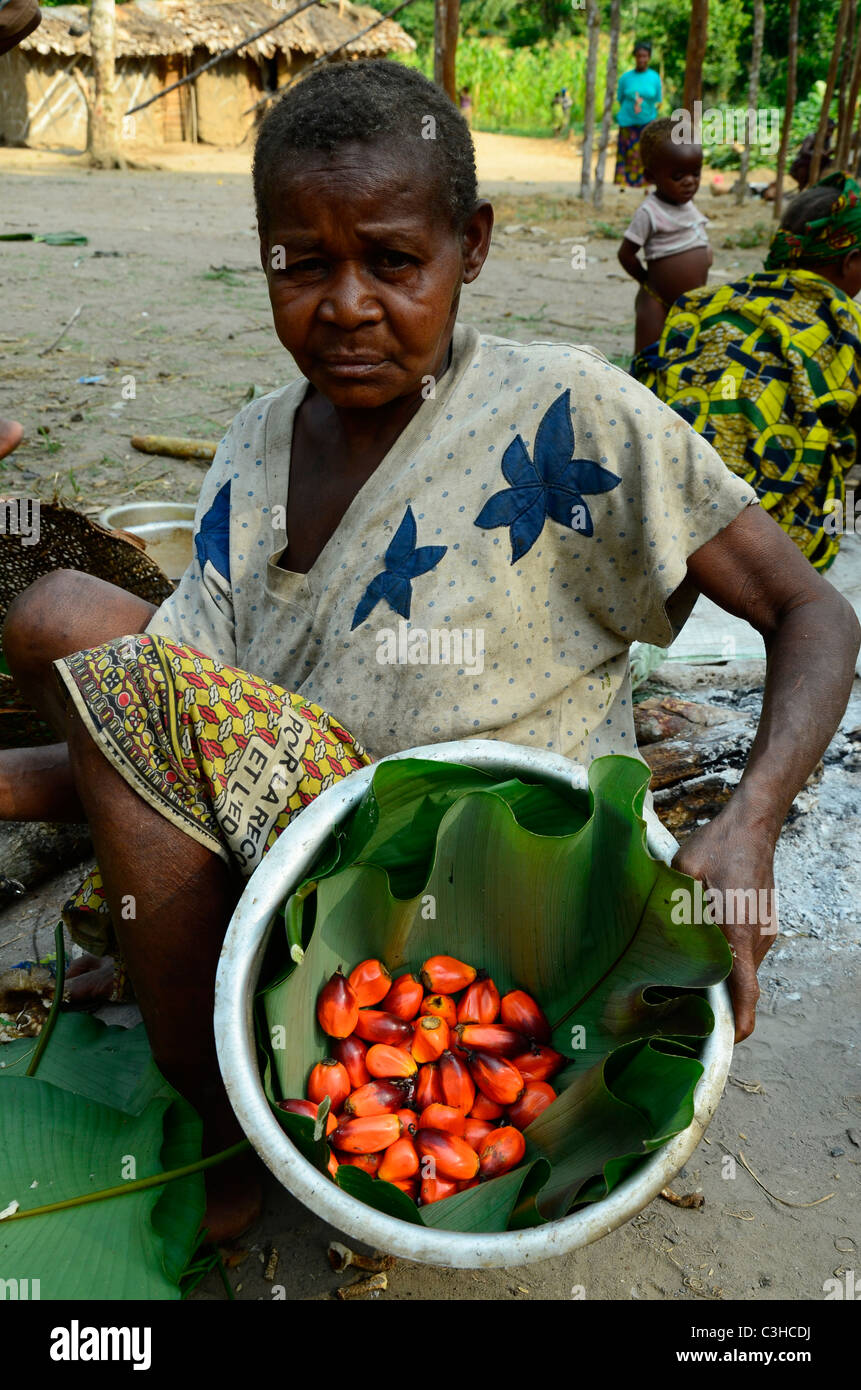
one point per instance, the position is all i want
(179, 26)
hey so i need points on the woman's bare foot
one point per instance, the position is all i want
(89, 981)
(11, 434)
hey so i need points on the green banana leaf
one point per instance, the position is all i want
(97, 1101)
(549, 891)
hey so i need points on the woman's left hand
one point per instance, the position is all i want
(739, 862)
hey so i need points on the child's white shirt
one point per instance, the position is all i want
(666, 229)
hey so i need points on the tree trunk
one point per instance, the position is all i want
(752, 96)
(846, 129)
(791, 83)
(830, 82)
(696, 52)
(593, 24)
(103, 139)
(609, 97)
(446, 18)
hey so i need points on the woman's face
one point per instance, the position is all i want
(365, 270)
(642, 59)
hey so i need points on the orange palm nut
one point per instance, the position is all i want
(536, 1098)
(329, 1078)
(501, 1151)
(465, 1186)
(479, 1003)
(371, 982)
(429, 1086)
(385, 1062)
(518, 1010)
(369, 1163)
(408, 1185)
(539, 1063)
(456, 1083)
(309, 1108)
(430, 1038)
(446, 975)
(367, 1134)
(376, 1026)
(332, 1164)
(443, 1117)
(496, 1077)
(337, 1007)
(490, 1037)
(435, 1189)
(450, 1155)
(375, 1098)
(476, 1131)
(404, 999)
(485, 1109)
(410, 1121)
(350, 1052)
(400, 1161)
(441, 1006)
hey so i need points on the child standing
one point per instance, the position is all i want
(669, 228)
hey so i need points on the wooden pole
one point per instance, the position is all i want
(446, 22)
(698, 34)
(593, 25)
(846, 131)
(831, 79)
(609, 97)
(791, 83)
(752, 97)
(103, 134)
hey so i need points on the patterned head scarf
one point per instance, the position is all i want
(826, 238)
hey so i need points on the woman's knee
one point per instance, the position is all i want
(63, 612)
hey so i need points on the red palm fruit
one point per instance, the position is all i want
(333, 1165)
(329, 1078)
(485, 1109)
(385, 1062)
(465, 1186)
(337, 1007)
(367, 1134)
(369, 1163)
(496, 1077)
(479, 1004)
(309, 1108)
(400, 1161)
(518, 1010)
(456, 1083)
(375, 1098)
(501, 1151)
(350, 1052)
(440, 1006)
(429, 1086)
(430, 1038)
(434, 1189)
(443, 1117)
(410, 1121)
(450, 1155)
(371, 982)
(408, 1185)
(404, 999)
(375, 1026)
(490, 1037)
(445, 975)
(539, 1063)
(476, 1131)
(537, 1096)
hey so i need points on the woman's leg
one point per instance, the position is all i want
(170, 900)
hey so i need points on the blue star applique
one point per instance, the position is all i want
(554, 484)
(403, 563)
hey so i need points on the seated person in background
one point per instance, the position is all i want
(670, 230)
(768, 369)
(416, 474)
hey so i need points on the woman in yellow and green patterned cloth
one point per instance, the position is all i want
(768, 368)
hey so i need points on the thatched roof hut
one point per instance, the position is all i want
(43, 82)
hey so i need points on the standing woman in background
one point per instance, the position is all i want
(639, 96)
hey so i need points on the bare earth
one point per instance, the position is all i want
(173, 296)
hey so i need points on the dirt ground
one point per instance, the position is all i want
(171, 294)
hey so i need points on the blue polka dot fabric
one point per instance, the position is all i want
(488, 579)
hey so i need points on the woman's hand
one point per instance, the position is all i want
(738, 861)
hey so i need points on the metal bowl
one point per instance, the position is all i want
(236, 983)
(167, 528)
